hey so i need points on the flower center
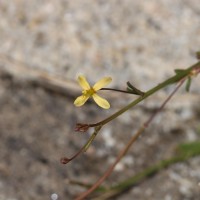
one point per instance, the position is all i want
(89, 92)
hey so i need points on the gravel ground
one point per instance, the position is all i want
(72, 37)
(136, 38)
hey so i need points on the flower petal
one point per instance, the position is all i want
(101, 83)
(83, 83)
(101, 101)
(80, 100)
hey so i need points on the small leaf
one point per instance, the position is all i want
(198, 55)
(134, 90)
(130, 85)
(129, 89)
(178, 71)
(188, 84)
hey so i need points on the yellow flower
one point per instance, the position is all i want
(89, 91)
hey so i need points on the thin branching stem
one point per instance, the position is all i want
(180, 75)
(127, 147)
(110, 169)
(174, 79)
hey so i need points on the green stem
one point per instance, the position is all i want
(174, 79)
(92, 137)
(185, 151)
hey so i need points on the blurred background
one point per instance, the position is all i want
(45, 44)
